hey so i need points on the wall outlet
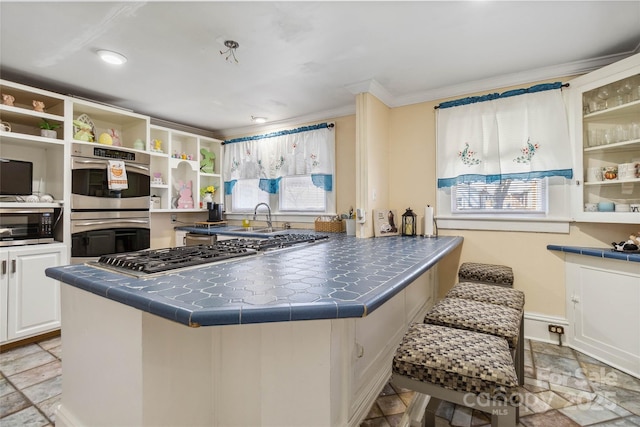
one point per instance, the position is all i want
(556, 329)
(174, 218)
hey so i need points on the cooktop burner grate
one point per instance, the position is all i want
(157, 260)
(273, 242)
(160, 260)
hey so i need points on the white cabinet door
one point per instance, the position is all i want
(603, 297)
(33, 300)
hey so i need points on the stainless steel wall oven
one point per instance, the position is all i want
(104, 220)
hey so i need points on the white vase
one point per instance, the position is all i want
(208, 198)
(49, 133)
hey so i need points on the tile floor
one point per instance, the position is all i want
(562, 388)
(30, 384)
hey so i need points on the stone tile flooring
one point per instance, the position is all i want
(562, 388)
(30, 384)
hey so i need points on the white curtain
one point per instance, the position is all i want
(309, 150)
(516, 135)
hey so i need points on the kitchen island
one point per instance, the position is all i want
(302, 336)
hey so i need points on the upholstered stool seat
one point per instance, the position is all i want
(464, 367)
(477, 316)
(497, 295)
(492, 274)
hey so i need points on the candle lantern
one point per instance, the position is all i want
(409, 221)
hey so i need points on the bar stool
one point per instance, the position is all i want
(483, 317)
(492, 274)
(501, 296)
(471, 369)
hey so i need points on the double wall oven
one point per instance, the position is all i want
(105, 220)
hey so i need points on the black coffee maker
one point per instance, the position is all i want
(215, 211)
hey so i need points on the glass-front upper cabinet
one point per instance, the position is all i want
(606, 132)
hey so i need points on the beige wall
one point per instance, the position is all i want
(372, 158)
(538, 272)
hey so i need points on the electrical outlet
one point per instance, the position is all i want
(556, 329)
(174, 218)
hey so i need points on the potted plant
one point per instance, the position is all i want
(48, 129)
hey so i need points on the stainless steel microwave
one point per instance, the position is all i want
(26, 226)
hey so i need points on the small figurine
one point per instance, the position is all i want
(207, 164)
(83, 132)
(8, 99)
(157, 146)
(38, 106)
(186, 200)
(157, 178)
(115, 137)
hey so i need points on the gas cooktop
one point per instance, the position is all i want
(154, 261)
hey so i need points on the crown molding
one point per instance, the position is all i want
(526, 77)
(373, 87)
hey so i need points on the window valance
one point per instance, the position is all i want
(520, 134)
(308, 150)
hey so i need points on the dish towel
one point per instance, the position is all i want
(117, 175)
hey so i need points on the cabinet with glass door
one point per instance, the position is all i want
(607, 139)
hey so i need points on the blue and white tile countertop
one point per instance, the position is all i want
(341, 277)
(597, 252)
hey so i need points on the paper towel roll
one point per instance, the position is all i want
(428, 221)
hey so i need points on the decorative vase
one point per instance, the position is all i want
(208, 198)
(49, 133)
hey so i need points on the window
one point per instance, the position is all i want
(505, 161)
(291, 170)
(298, 193)
(510, 196)
(246, 195)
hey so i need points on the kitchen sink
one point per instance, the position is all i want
(263, 230)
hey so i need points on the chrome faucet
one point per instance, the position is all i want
(255, 212)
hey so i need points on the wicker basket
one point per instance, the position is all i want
(329, 226)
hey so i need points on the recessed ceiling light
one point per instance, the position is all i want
(111, 57)
(258, 119)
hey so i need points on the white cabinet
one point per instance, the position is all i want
(377, 335)
(605, 107)
(29, 300)
(24, 142)
(603, 296)
(181, 165)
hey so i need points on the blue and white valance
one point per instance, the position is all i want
(308, 150)
(519, 134)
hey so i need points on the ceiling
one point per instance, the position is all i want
(302, 60)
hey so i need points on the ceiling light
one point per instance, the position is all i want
(231, 50)
(112, 57)
(258, 119)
